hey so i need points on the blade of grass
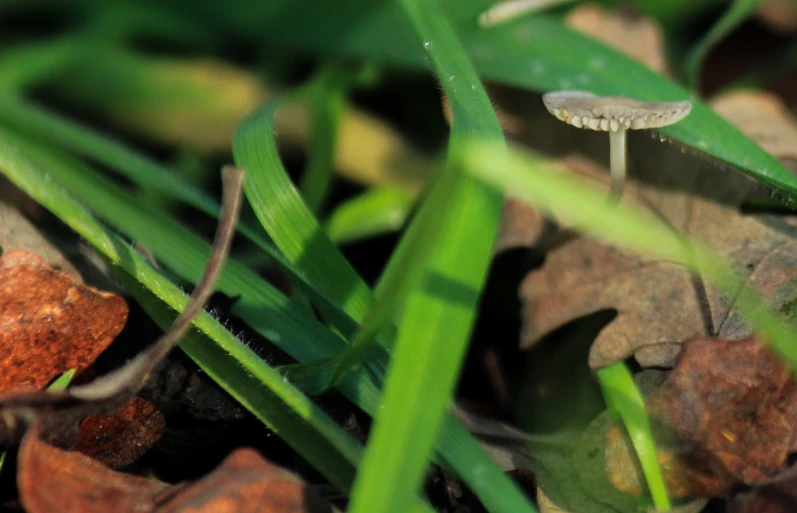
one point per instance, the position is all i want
(437, 318)
(625, 401)
(408, 265)
(287, 218)
(737, 12)
(326, 101)
(375, 212)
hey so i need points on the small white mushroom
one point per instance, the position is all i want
(613, 114)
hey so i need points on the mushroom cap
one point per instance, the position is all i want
(612, 113)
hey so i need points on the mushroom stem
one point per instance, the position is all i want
(617, 163)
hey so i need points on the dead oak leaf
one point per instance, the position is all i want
(52, 480)
(661, 304)
(120, 439)
(724, 416)
(50, 323)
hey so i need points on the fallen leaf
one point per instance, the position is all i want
(246, 483)
(764, 118)
(779, 15)
(724, 416)
(661, 304)
(120, 439)
(778, 495)
(50, 323)
(635, 35)
(19, 234)
(52, 480)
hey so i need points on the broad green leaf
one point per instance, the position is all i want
(625, 402)
(738, 11)
(536, 52)
(376, 211)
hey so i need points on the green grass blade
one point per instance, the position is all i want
(435, 325)
(288, 220)
(284, 408)
(400, 279)
(374, 212)
(326, 106)
(44, 125)
(737, 12)
(535, 180)
(626, 402)
(62, 381)
(537, 52)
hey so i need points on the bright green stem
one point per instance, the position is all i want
(617, 164)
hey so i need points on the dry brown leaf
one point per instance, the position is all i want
(661, 304)
(634, 35)
(52, 480)
(780, 15)
(778, 495)
(725, 415)
(49, 322)
(120, 439)
(764, 118)
(19, 234)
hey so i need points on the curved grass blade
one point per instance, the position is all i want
(375, 212)
(537, 52)
(288, 220)
(326, 106)
(625, 401)
(737, 12)
(436, 321)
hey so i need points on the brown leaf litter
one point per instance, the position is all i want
(726, 415)
(52, 480)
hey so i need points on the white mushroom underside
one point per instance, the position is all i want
(586, 110)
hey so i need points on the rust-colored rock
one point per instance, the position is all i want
(50, 323)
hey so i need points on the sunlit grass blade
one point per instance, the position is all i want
(626, 403)
(288, 220)
(737, 12)
(326, 106)
(408, 264)
(436, 320)
(62, 381)
(377, 211)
